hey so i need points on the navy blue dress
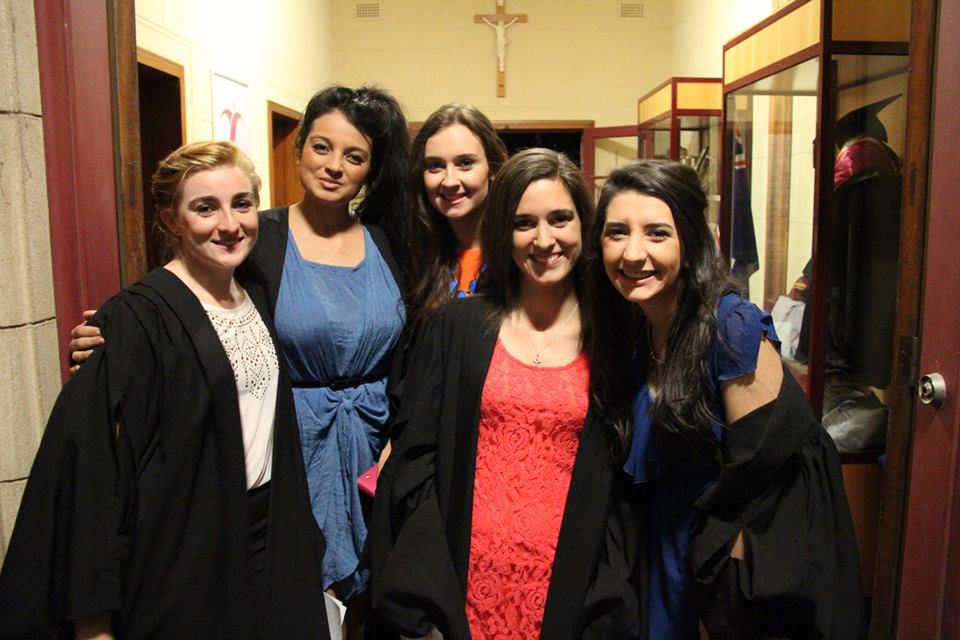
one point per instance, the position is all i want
(740, 328)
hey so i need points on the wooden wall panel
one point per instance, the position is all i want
(889, 20)
(655, 105)
(790, 34)
(699, 95)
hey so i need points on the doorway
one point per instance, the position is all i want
(285, 187)
(564, 136)
(162, 130)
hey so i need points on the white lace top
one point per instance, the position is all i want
(247, 342)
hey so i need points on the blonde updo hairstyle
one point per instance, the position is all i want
(167, 182)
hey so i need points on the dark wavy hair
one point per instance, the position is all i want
(432, 246)
(620, 350)
(500, 281)
(377, 115)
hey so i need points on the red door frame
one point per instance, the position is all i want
(78, 139)
(930, 578)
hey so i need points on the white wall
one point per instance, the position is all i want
(700, 28)
(280, 49)
(572, 59)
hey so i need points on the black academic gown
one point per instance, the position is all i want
(420, 537)
(780, 484)
(137, 501)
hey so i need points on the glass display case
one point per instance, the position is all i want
(814, 131)
(681, 120)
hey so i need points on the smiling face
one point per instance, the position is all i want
(214, 220)
(334, 161)
(546, 234)
(642, 252)
(456, 174)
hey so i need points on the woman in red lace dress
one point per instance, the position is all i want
(493, 514)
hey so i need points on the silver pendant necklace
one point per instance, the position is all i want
(536, 352)
(653, 354)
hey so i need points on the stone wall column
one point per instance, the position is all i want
(29, 367)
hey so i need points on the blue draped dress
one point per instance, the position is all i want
(339, 324)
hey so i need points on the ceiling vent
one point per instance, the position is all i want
(631, 9)
(368, 10)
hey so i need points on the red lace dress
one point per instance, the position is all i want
(530, 422)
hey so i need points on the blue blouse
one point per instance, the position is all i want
(740, 328)
(339, 322)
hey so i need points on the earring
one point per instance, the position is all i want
(357, 200)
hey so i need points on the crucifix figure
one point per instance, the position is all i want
(500, 22)
(501, 29)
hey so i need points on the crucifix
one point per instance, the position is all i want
(500, 22)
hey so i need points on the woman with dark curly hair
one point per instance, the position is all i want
(334, 289)
(336, 294)
(748, 526)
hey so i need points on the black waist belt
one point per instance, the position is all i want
(337, 384)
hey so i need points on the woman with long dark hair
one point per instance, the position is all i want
(455, 156)
(492, 512)
(335, 290)
(749, 530)
(454, 159)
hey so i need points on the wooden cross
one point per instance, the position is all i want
(500, 22)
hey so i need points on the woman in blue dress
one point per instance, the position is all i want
(748, 527)
(332, 283)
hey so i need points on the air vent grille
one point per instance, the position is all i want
(368, 9)
(631, 9)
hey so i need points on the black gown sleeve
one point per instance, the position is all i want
(72, 536)
(615, 603)
(413, 577)
(781, 485)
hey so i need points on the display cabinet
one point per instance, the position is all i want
(681, 120)
(814, 130)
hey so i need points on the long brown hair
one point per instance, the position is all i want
(500, 281)
(432, 247)
(620, 357)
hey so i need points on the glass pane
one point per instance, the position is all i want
(655, 140)
(700, 148)
(863, 257)
(773, 125)
(610, 153)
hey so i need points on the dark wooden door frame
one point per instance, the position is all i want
(542, 126)
(79, 50)
(927, 603)
(275, 179)
(170, 68)
(527, 126)
(126, 101)
(888, 591)
(546, 126)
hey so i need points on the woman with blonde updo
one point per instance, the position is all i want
(168, 498)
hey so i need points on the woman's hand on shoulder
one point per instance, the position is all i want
(747, 393)
(84, 339)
